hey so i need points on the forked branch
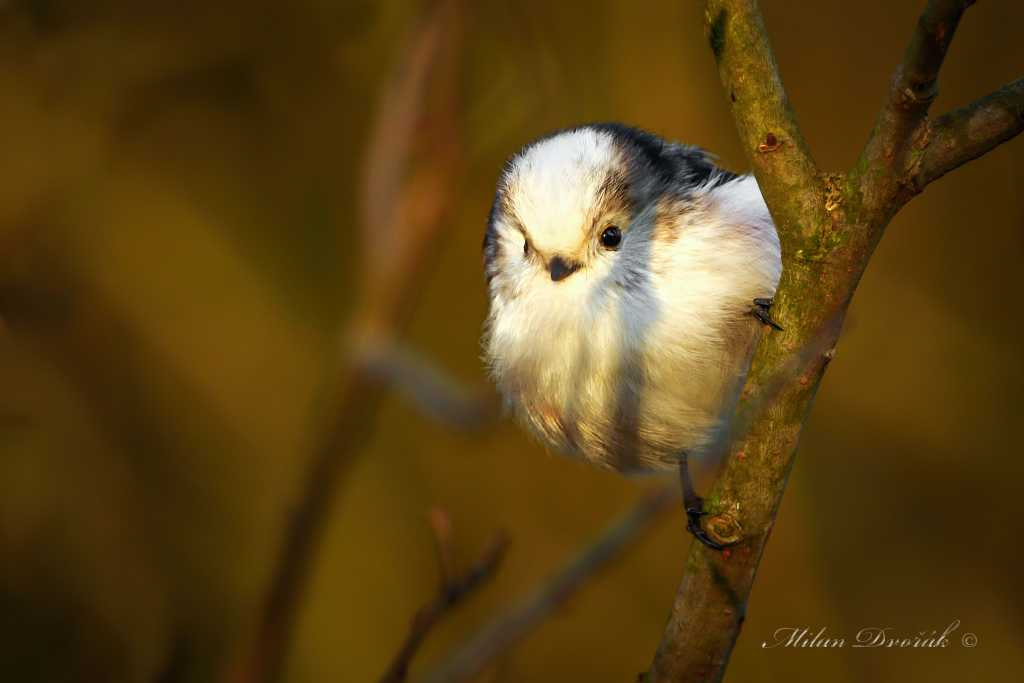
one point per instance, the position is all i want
(408, 214)
(829, 225)
(508, 628)
(914, 84)
(453, 590)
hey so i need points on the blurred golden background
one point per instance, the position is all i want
(179, 242)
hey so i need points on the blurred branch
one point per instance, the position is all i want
(509, 628)
(506, 630)
(401, 218)
(403, 208)
(451, 592)
(829, 225)
(441, 527)
(434, 393)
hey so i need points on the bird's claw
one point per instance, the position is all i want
(762, 310)
(694, 511)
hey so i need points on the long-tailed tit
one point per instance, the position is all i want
(628, 280)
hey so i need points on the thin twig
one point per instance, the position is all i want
(506, 630)
(388, 287)
(434, 393)
(971, 131)
(510, 627)
(441, 529)
(914, 84)
(902, 120)
(354, 402)
(401, 207)
(452, 592)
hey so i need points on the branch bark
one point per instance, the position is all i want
(969, 132)
(914, 84)
(829, 225)
(778, 154)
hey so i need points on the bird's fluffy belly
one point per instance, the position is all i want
(625, 404)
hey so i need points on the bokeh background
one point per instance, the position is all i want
(179, 243)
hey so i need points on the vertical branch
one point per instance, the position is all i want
(403, 209)
(829, 225)
(401, 218)
(767, 126)
(903, 118)
(821, 263)
(914, 85)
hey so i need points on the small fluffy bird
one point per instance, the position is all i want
(628, 280)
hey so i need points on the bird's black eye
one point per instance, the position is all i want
(611, 237)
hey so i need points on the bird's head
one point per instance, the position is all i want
(582, 209)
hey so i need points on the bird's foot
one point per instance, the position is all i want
(694, 511)
(762, 310)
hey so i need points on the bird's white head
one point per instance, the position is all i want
(576, 214)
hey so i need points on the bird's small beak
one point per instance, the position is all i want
(561, 269)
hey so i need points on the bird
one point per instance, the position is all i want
(628, 279)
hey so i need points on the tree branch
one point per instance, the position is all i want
(779, 157)
(509, 628)
(971, 131)
(829, 225)
(411, 214)
(431, 391)
(903, 117)
(452, 591)
(914, 84)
